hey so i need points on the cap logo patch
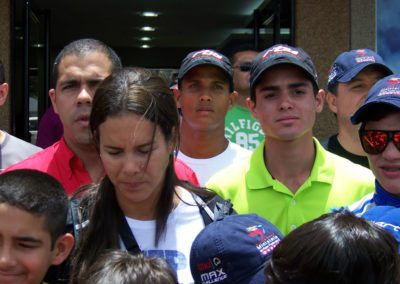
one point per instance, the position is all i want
(213, 276)
(207, 53)
(361, 51)
(333, 73)
(280, 50)
(392, 87)
(267, 242)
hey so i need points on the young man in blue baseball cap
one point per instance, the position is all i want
(289, 179)
(351, 76)
(379, 134)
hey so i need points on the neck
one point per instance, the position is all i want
(202, 144)
(348, 138)
(90, 158)
(2, 136)
(290, 162)
(241, 100)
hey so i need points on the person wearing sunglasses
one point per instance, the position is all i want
(240, 127)
(380, 138)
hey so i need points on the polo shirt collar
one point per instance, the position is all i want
(258, 177)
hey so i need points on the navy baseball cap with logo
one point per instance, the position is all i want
(206, 57)
(233, 249)
(385, 92)
(387, 217)
(348, 64)
(282, 54)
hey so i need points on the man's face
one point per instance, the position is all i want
(204, 98)
(285, 103)
(351, 95)
(78, 80)
(386, 165)
(25, 247)
(241, 78)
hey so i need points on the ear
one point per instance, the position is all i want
(232, 99)
(251, 105)
(62, 248)
(319, 101)
(3, 93)
(176, 93)
(52, 95)
(331, 100)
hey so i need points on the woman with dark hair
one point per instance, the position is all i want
(336, 248)
(140, 205)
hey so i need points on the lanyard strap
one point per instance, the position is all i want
(126, 234)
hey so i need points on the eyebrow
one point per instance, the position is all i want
(29, 239)
(290, 86)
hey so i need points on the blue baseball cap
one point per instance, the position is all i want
(206, 57)
(387, 217)
(282, 54)
(233, 249)
(385, 92)
(348, 64)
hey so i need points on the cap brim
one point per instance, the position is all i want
(364, 110)
(347, 77)
(258, 277)
(283, 61)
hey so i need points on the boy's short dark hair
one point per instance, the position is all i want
(336, 248)
(39, 194)
(116, 266)
(81, 48)
(2, 73)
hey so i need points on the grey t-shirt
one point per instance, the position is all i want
(13, 150)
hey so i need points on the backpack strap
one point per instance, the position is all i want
(213, 208)
(126, 234)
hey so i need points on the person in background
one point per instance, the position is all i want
(351, 76)
(50, 129)
(240, 127)
(290, 178)
(205, 94)
(12, 149)
(336, 248)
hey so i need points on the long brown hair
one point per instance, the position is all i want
(139, 91)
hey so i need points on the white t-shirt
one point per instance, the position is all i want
(205, 168)
(183, 225)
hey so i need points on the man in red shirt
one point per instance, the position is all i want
(77, 72)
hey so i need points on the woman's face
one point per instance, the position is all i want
(134, 163)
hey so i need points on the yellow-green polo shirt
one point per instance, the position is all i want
(334, 182)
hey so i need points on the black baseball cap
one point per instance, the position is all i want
(206, 57)
(282, 54)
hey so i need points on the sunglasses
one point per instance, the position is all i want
(244, 67)
(375, 141)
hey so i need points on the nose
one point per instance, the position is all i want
(391, 152)
(133, 165)
(285, 102)
(85, 96)
(206, 96)
(7, 259)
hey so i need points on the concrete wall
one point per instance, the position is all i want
(5, 114)
(326, 28)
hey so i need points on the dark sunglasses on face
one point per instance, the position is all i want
(244, 67)
(375, 141)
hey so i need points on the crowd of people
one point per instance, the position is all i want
(232, 188)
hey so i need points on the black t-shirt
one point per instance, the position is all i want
(333, 145)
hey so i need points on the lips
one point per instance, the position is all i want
(205, 109)
(83, 119)
(286, 118)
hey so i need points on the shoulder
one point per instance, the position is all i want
(237, 150)
(39, 161)
(359, 207)
(22, 145)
